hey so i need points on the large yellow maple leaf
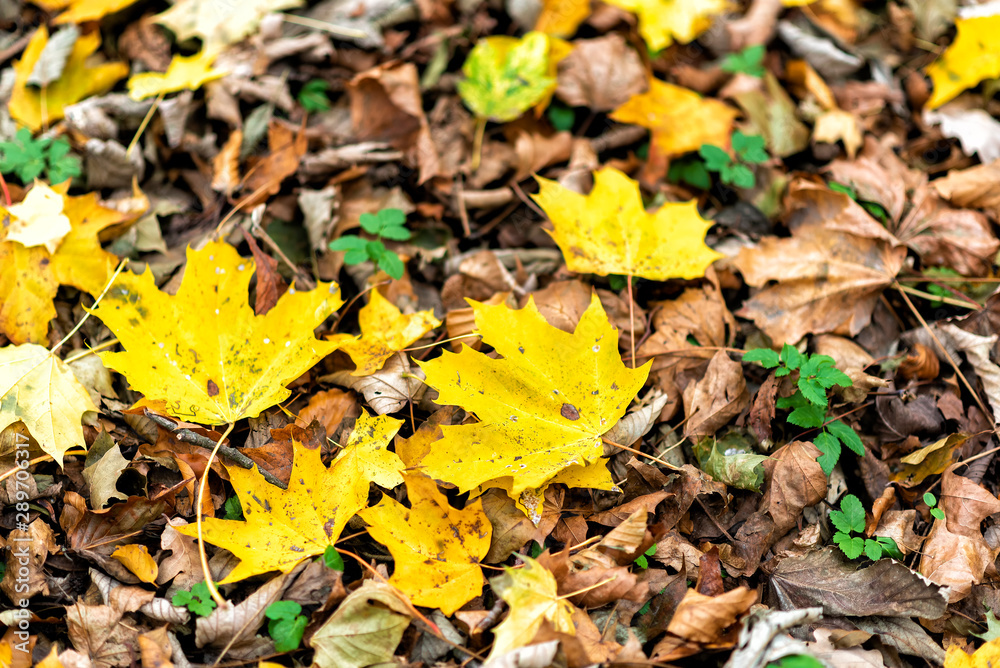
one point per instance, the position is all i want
(542, 408)
(437, 548)
(38, 389)
(30, 276)
(609, 231)
(184, 73)
(679, 119)
(986, 656)
(385, 330)
(37, 107)
(203, 352)
(973, 57)
(533, 597)
(283, 527)
(661, 22)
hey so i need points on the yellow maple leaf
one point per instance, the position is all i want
(39, 219)
(609, 232)
(38, 389)
(679, 119)
(437, 548)
(31, 276)
(283, 527)
(561, 18)
(37, 107)
(532, 595)
(219, 25)
(986, 656)
(203, 352)
(542, 407)
(385, 330)
(661, 22)
(81, 11)
(971, 58)
(184, 73)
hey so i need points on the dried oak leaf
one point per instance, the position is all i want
(827, 281)
(283, 527)
(437, 548)
(203, 353)
(542, 408)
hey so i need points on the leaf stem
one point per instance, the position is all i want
(90, 351)
(142, 126)
(198, 503)
(118, 270)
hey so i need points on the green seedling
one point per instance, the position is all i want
(332, 559)
(748, 149)
(28, 158)
(313, 96)
(286, 625)
(932, 502)
(809, 403)
(850, 519)
(198, 600)
(748, 61)
(386, 224)
(641, 560)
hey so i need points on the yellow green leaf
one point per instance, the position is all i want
(532, 595)
(561, 18)
(385, 330)
(203, 352)
(505, 76)
(971, 58)
(36, 388)
(986, 656)
(542, 407)
(31, 276)
(679, 119)
(661, 22)
(37, 107)
(184, 73)
(437, 548)
(283, 527)
(609, 231)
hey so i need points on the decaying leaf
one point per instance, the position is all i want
(542, 408)
(531, 593)
(365, 629)
(181, 349)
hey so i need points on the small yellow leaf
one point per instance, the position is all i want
(661, 22)
(385, 330)
(283, 527)
(561, 18)
(532, 595)
(609, 232)
(203, 352)
(137, 559)
(838, 124)
(39, 219)
(184, 73)
(215, 24)
(81, 11)
(679, 119)
(37, 107)
(437, 548)
(542, 407)
(986, 656)
(30, 277)
(38, 389)
(971, 58)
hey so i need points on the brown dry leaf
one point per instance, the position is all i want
(839, 125)
(702, 619)
(386, 106)
(97, 632)
(536, 145)
(29, 549)
(285, 151)
(329, 408)
(717, 398)
(810, 203)
(601, 74)
(795, 480)
(898, 525)
(955, 560)
(828, 281)
(388, 389)
(965, 504)
(226, 165)
(155, 649)
(973, 188)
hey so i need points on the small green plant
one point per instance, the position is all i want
(27, 158)
(851, 519)
(561, 117)
(198, 600)
(691, 171)
(234, 511)
(332, 559)
(641, 560)
(749, 150)
(876, 210)
(796, 661)
(809, 402)
(286, 625)
(932, 502)
(748, 61)
(313, 98)
(386, 224)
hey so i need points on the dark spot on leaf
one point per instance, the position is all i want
(569, 412)
(213, 389)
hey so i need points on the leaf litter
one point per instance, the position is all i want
(544, 334)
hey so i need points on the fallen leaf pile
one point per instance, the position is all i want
(539, 333)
